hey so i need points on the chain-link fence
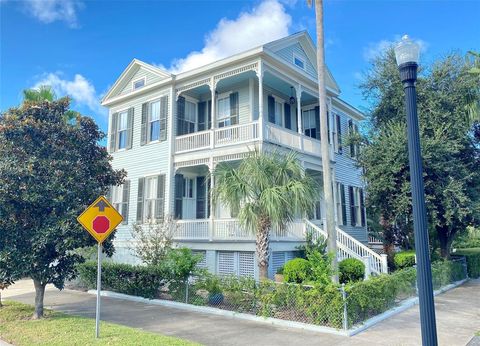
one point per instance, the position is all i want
(330, 306)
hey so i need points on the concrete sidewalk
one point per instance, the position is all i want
(458, 318)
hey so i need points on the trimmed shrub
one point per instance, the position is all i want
(351, 269)
(404, 259)
(473, 260)
(297, 270)
(143, 281)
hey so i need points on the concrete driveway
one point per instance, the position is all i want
(458, 318)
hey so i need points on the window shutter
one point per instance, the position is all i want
(113, 133)
(201, 197)
(201, 115)
(131, 111)
(234, 108)
(140, 198)
(143, 135)
(288, 118)
(317, 123)
(357, 146)
(350, 132)
(339, 133)
(163, 117)
(209, 197)
(180, 115)
(344, 204)
(178, 195)
(125, 201)
(246, 264)
(271, 109)
(362, 208)
(226, 263)
(353, 216)
(160, 202)
(209, 113)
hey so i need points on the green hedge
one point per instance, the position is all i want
(404, 259)
(143, 281)
(351, 269)
(297, 270)
(473, 260)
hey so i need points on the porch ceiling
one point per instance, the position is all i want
(285, 87)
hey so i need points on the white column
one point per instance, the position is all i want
(260, 101)
(211, 168)
(214, 117)
(299, 115)
(171, 135)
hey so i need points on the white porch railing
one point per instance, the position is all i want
(192, 229)
(236, 134)
(282, 136)
(349, 247)
(229, 229)
(193, 141)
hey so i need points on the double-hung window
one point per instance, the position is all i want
(224, 116)
(154, 121)
(309, 123)
(119, 197)
(187, 187)
(151, 189)
(190, 116)
(340, 204)
(357, 207)
(122, 129)
(278, 112)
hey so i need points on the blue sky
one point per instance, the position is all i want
(81, 47)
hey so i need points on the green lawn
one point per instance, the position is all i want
(57, 328)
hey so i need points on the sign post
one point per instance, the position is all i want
(100, 219)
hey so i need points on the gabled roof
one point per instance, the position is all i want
(129, 72)
(307, 44)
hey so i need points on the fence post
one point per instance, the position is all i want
(186, 289)
(384, 263)
(345, 313)
(366, 261)
(465, 266)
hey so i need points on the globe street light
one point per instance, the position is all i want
(407, 54)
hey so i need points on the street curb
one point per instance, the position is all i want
(4, 343)
(408, 303)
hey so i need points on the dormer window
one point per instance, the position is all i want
(299, 62)
(139, 83)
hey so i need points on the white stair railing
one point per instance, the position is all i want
(349, 247)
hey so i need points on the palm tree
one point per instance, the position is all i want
(325, 149)
(473, 109)
(42, 93)
(265, 191)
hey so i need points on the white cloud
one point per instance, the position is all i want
(79, 89)
(264, 23)
(49, 11)
(375, 49)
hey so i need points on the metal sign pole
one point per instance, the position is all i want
(99, 287)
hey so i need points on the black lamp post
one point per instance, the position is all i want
(407, 54)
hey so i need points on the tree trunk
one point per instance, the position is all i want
(39, 294)
(445, 242)
(262, 247)
(325, 147)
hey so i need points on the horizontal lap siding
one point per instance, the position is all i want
(150, 79)
(348, 174)
(287, 55)
(150, 159)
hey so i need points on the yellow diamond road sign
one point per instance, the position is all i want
(100, 219)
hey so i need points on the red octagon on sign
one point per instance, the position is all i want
(101, 224)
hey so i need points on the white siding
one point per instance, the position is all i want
(287, 54)
(150, 78)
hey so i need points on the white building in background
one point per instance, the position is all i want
(169, 131)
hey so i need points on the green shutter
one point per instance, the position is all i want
(160, 202)
(353, 216)
(234, 108)
(180, 116)
(350, 132)
(178, 196)
(288, 117)
(317, 123)
(125, 201)
(271, 109)
(362, 208)
(339, 133)
(201, 198)
(140, 197)
(201, 115)
(113, 132)
(143, 135)
(131, 112)
(209, 113)
(163, 117)
(344, 204)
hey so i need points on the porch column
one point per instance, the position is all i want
(214, 117)
(211, 168)
(260, 101)
(299, 115)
